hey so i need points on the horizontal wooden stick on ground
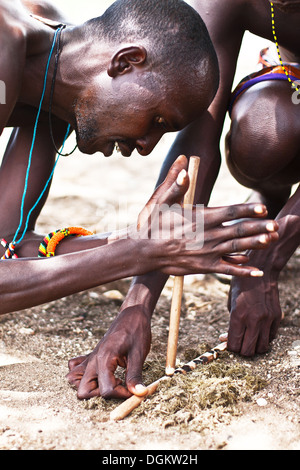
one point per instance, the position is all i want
(125, 408)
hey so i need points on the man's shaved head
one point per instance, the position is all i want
(159, 72)
(173, 33)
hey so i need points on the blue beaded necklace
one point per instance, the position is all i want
(10, 253)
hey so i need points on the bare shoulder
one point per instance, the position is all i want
(222, 17)
(45, 9)
(12, 57)
(215, 7)
(12, 34)
(10, 18)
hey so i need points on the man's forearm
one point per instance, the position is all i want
(145, 290)
(29, 246)
(28, 282)
(273, 259)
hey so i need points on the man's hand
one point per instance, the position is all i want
(255, 315)
(128, 340)
(199, 239)
(222, 244)
(126, 344)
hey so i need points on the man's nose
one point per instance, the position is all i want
(146, 144)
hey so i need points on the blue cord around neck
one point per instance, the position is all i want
(15, 241)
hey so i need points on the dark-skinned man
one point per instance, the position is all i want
(127, 77)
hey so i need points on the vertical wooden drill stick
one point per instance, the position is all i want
(179, 280)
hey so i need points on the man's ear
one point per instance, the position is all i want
(125, 59)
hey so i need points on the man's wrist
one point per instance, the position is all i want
(269, 261)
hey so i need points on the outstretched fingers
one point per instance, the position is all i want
(248, 227)
(251, 242)
(236, 258)
(235, 266)
(232, 269)
(216, 216)
(181, 163)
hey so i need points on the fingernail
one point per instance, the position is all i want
(140, 388)
(263, 239)
(256, 273)
(181, 177)
(259, 209)
(270, 227)
(223, 337)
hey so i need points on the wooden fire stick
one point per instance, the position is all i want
(179, 280)
(125, 408)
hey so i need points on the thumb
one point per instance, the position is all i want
(181, 163)
(171, 191)
(175, 193)
(139, 389)
(134, 379)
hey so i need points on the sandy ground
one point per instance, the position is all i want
(38, 409)
(247, 404)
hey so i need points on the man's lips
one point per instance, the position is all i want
(108, 149)
(124, 147)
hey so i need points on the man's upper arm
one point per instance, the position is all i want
(12, 60)
(225, 22)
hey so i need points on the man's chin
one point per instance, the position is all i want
(87, 149)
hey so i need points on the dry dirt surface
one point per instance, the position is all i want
(231, 404)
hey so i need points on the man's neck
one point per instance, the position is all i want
(78, 64)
